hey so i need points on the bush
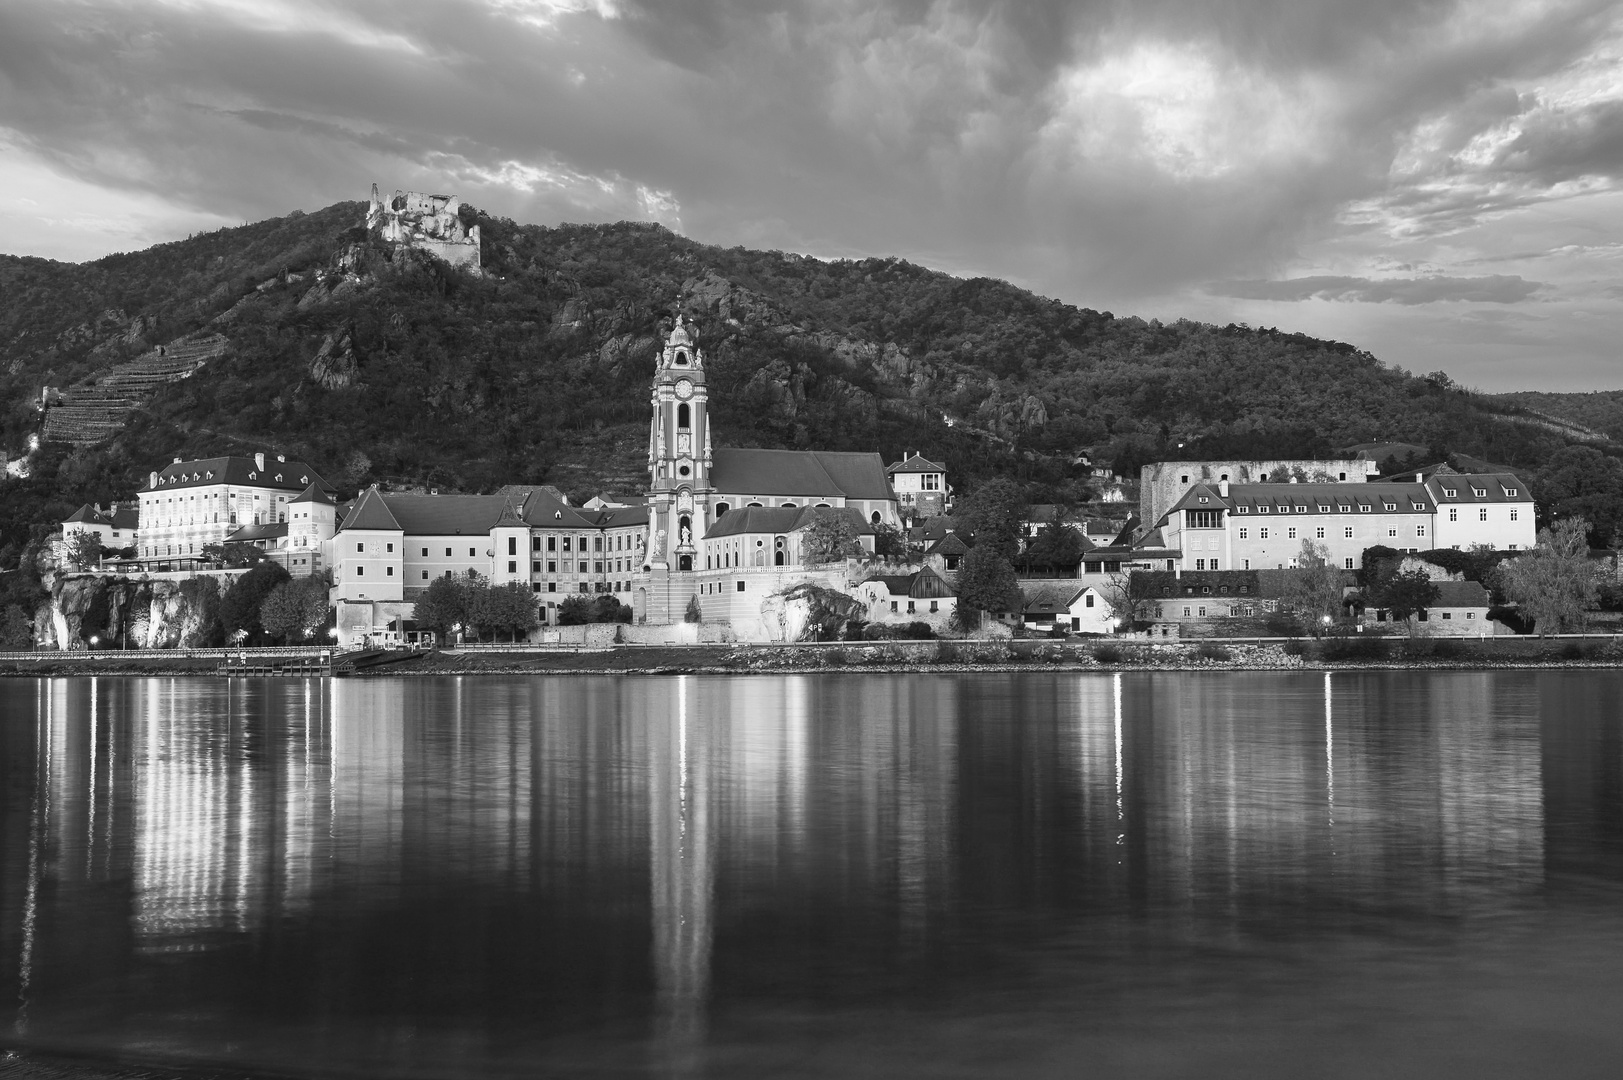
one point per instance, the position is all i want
(1211, 650)
(1280, 624)
(1294, 647)
(1572, 650)
(920, 631)
(1354, 648)
(1109, 654)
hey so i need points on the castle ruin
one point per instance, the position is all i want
(431, 223)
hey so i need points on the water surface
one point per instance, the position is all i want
(1156, 875)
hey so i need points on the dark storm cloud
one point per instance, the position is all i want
(1102, 150)
(1494, 289)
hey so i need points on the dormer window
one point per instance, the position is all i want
(302, 479)
(1324, 508)
(253, 476)
(278, 478)
(1481, 493)
(1363, 508)
(1450, 492)
(1510, 493)
(1345, 508)
(1202, 498)
(1265, 509)
(1301, 509)
(1390, 507)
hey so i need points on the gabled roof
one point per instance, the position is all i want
(291, 475)
(314, 494)
(127, 516)
(1276, 499)
(371, 512)
(951, 544)
(1460, 594)
(918, 463)
(86, 515)
(510, 517)
(923, 584)
(802, 473)
(1050, 597)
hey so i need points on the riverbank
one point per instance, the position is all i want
(1016, 655)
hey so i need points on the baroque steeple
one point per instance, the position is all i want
(679, 451)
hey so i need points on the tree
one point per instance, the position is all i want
(84, 549)
(1555, 583)
(608, 609)
(987, 583)
(830, 538)
(497, 609)
(443, 606)
(295, 610)
(1375, 562)
(892, 544)
(996, 514)
(1405, 594)
(240, 607)
(576, 610)
(694, 613)
(1056, 544)
(16, 630)
(1313, 586)
(1131, 596)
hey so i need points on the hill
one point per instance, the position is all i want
(1600, 411)
(377, 364)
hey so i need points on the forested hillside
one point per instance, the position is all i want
(1600, 410)
(383, 365)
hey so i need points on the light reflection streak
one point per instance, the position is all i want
(1121, 809)
(1329, 754)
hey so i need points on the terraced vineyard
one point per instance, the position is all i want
(93, 411)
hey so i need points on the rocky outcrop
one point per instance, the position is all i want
(335, 365)
(135, 613)
(809, 612)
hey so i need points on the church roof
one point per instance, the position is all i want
(781, 519)
(804, 473)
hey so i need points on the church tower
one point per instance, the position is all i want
(679, 491)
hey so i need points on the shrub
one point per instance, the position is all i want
(1295, 647)
(1354, 648)
(1280, 624)
(1211, 650)
(1572, 650)
(1446, 649)
(920, 631)
(1109, 653)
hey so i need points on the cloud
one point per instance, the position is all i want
(1110, 154)
(1494, 289)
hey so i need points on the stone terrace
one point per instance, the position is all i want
(93, 411)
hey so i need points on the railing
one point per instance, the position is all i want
(167, 654)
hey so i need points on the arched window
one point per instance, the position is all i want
(875, 518)
(722, 508)
(684, 416)
(681, 358)
(788, 506)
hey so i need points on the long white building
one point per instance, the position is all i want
(1225, 526)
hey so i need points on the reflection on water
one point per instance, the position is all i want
(804, 874)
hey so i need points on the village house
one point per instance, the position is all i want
(190, 505)
(920, 486)
(898, 599)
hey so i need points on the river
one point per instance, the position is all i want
(1403, 874)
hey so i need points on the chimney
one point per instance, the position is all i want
(259, 462)
(1223, 488)
(1420, 478)
(152, 480)
(177, 461)
(281, 457)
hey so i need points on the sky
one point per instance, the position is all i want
(1437, 181)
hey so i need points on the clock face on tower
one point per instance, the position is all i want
(684, 389)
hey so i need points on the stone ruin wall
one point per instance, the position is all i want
(430, 223)
(1161, 484)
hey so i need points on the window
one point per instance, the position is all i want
(552, 568)
(425, 575)
(1512, 513)
(389, 548)
(512, 545)
(1087, 601)
(1420, 530)
(447, 553)
(471, 553)
(912, 607)
(360, 571)
(1391, 533)
(935, 605)
(1265, 509)
(1200, 564)
(1363, 508)
(552, 586)
(1481, 493)
(535, 566)
(1453, 513)
(1202, 613)
(552, 544)
(360, 548)
(1510, 493)
(1242, 534)
(597, 567)
(1242, 509)
(388, 571)
(1390, 507)
(1290, 534)
(1262, 534)
(1348, 532)
(1203, 519)
(1186, 612)
(1450, 492)
(1482, 514)
(425, 553)
(740, 586)
(1320, 533)
(893, 607)
(512, 566)
(1470, 614)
